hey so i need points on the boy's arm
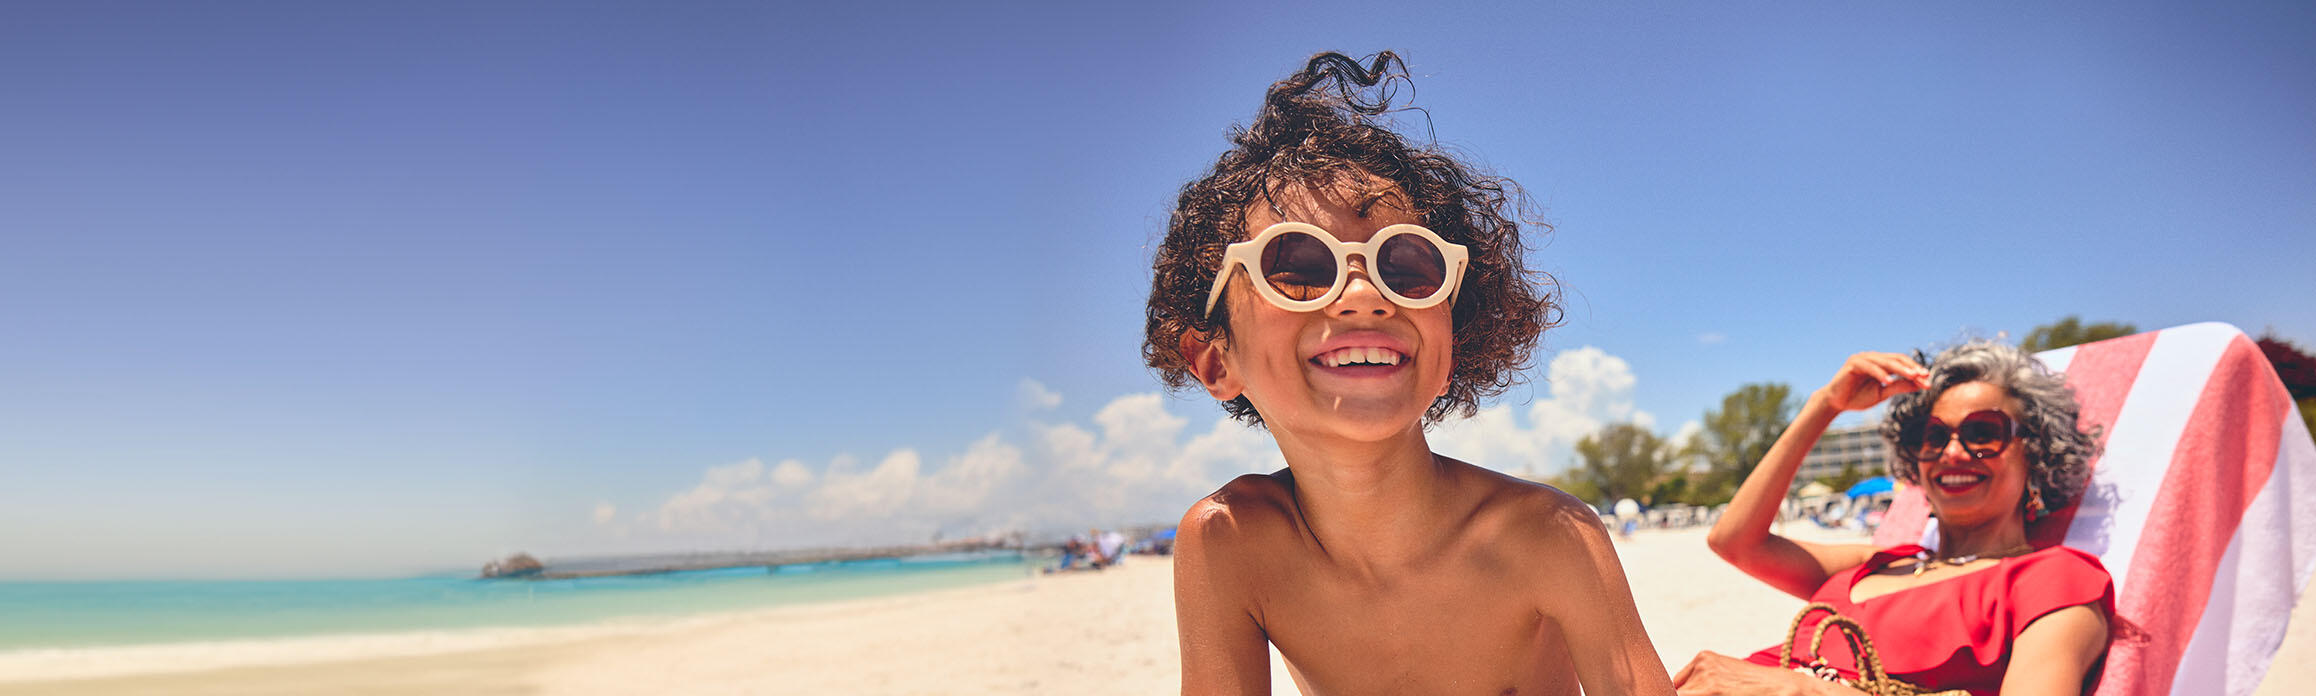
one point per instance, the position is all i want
(1223, 647)
(1585, 595)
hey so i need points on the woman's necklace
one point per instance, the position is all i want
(1923, 560)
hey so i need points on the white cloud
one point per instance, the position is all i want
(1712, 338)
(605, 512)
(1591, 382)
(1136, 462)
(879, 492)
(1071, 447)
(1224, 452)
(1493, 438)
(1137, 435)
(1590, 389)
(973, 478)
(1034, 396)
(724, 495)
(791, 474)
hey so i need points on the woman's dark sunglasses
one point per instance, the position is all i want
(1984, 434)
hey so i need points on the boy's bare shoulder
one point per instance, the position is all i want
(1525, 512)
(1247, 510)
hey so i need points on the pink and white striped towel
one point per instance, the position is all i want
(2203, 506)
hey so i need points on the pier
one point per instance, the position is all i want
(524, 567)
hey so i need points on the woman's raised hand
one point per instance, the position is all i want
(1868, 378)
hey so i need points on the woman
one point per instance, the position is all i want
(1990, 436)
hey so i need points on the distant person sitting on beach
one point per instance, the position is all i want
(1112, 547)
(1077, 554)
(1346, 289)
(1992, 439)
(1628, 517)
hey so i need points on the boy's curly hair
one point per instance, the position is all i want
(1320, 127)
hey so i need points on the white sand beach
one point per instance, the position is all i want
(1109, 632)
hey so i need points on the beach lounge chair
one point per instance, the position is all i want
(2203, 506)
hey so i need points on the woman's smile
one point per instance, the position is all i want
(1959, 480)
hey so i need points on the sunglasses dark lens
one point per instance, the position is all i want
(1980, 433)
(1412, 266)
(1934, 439)
(1299, 266)
(1985, 434)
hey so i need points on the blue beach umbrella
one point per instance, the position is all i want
(1878, 484)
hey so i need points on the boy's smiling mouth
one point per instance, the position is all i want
(1364, 353)
(1356, 356)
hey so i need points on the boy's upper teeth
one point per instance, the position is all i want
(1357, 355)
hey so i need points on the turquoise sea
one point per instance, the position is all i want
(50, 615)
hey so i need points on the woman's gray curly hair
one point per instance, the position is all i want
(2058, 450)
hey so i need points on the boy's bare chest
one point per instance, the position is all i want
(1445, 632)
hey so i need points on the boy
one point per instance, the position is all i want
(1345, 289)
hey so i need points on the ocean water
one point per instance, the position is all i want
(51, 616)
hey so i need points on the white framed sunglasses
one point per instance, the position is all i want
(1303, 268)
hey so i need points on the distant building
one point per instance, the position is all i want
(1860, 445)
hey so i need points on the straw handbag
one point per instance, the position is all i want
(1871, 679)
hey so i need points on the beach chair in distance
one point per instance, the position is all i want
(2202, 506)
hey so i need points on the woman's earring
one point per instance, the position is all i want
(2034, 504)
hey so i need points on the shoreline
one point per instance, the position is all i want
(64, 664)
(790, 647)
(1110, 631)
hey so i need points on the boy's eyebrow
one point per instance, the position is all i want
(1368, 201)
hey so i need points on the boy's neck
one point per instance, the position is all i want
(1373, 504)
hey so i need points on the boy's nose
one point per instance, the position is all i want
(1360, 295)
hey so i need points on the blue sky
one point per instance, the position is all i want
(332, 290)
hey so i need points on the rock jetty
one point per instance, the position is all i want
(520, 565)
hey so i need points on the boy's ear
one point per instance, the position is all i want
(1204, 356)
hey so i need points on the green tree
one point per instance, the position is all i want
(1621, 461)
(1573, 484)
(2072, 331)
(1737, 435)
(1673, 488)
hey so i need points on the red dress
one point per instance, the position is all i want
(1956, 633)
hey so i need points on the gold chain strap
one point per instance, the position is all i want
(1871, 679)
